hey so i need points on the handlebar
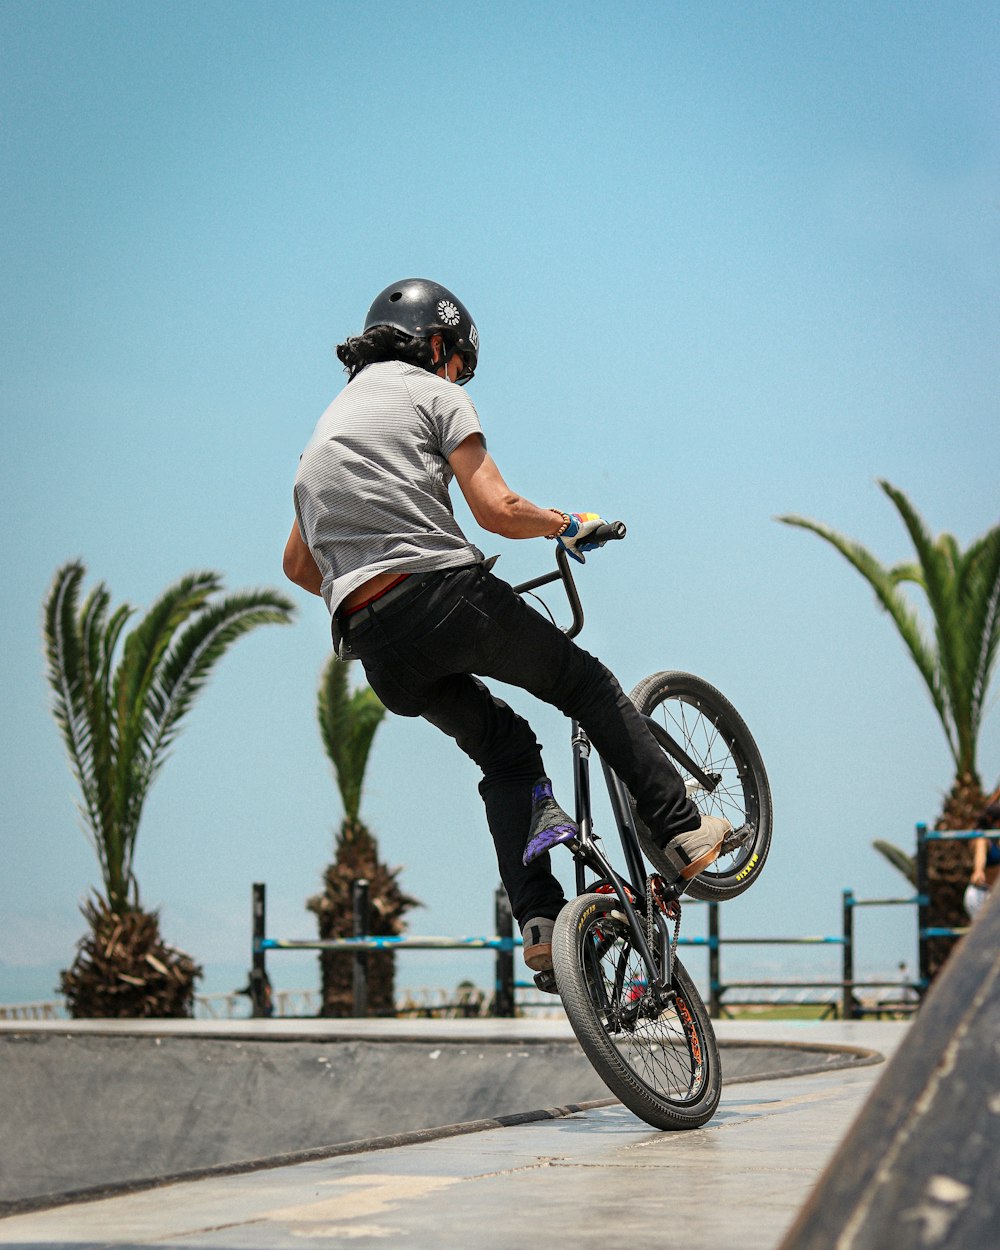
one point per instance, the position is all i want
(611, 531)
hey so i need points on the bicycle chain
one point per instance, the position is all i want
(671, 909)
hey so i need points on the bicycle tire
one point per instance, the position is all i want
(665, 1066)
(712, 732)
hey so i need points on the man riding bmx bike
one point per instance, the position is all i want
(415, 601)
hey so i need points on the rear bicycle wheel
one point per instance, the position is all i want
(711, 731)
(660, 1059)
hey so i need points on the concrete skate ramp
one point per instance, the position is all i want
(84, 1112)
(918, 1167)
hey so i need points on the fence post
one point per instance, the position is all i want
(259, 987)
(503, 999)
(923, 911)
(714, 951)
(847, 1011)
(359, 900)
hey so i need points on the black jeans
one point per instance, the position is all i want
(423, 653)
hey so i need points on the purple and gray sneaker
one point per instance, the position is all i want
(550, 826)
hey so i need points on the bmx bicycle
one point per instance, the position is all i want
(632, 1005)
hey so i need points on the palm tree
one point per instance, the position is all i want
(348, 722)
(963, 594)
(120, 700)
(895, 855)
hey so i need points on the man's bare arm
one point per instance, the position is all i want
(494, 505)
(298, 563)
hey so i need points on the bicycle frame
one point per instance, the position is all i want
(587, 853)
(586, 849)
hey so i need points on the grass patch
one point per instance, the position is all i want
(781, 1011)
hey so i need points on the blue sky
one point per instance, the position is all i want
(727, 261)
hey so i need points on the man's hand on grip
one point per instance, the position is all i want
(573, 539)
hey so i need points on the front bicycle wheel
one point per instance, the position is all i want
(713, 734)
(659, 1057)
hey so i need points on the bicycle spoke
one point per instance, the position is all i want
(702, 738)
(654, 1042)
(656, 1051)
(713, 736)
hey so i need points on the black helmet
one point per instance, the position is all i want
(421, 308)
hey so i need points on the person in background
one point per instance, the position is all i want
(985, 857)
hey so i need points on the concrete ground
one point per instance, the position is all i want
(593, 1178)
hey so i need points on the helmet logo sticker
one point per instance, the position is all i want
(448, 313)
(474, 337)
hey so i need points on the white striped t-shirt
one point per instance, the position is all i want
(371, 491)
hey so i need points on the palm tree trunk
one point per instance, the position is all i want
(357, 857)
(124, 970)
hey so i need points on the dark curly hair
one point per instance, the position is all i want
(383, 343)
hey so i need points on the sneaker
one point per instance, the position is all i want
(686, 854)
(550, 826)
(537, 935)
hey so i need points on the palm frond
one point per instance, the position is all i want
(980, 587)
(64, 669)
(112, 633)
(117, 718)
(118, 866)
(334, 726)
(92, 623)
(62, 651)
(906, 864)
(189, 663)
(367, 713)
(907, 572)
(893, 601)
(348, 723)
(93, 630)
(148, 642)
(939, 562)
(144, 650)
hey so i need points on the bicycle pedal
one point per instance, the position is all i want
(739, 837)
(546, 981)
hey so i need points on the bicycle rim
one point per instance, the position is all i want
(661, 1061)
(710, 730)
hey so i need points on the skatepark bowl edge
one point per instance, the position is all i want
(96, 1108)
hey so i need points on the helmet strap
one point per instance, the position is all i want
(441, 363)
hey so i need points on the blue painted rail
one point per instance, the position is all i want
(505, 942)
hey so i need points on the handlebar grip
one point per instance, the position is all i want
(611, 531)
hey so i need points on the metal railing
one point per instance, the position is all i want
(505, 942)
(359, 946)
(51, 1009)
(264, 1001)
